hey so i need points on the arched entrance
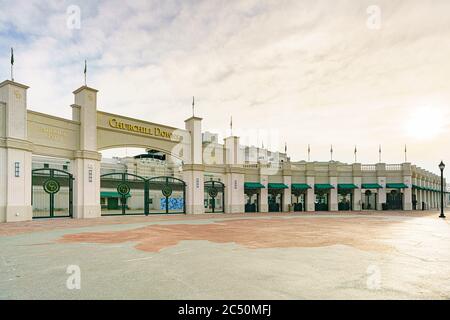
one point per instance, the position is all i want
(394, 200)
(369, 200)
(123, 193)
(322, 199)
(298, 200)
(214, 197)
(52, 193)
(167, 195)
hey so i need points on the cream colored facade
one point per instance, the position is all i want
(76, 144)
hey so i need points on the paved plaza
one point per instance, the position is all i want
(357, 255)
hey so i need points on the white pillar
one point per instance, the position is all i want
(263, 204)
(234, 190)
(235, 175)
(310, 195)
(333, 205)
(193, 171)
(407, 192)
(419, 194)
(381, 180)
(357, 194)
(86, 163)
(381, 197)
(15, 154)
(194, 177)
(287, 195)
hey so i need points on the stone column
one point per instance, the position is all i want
(381, 180)
(86, 163)
(357, 180)
(287, 195)
(310, 194)
(263, 204)
(419, 194)
(234, 191)
(15, 154)
(430, 196)
(235, 176)
(437, 199)
(193, 171)
(407, 192)
(193, 175)
(333, 205)
(332, 172)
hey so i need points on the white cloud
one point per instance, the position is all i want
(311, 70)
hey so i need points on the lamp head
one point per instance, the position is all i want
(442, 166)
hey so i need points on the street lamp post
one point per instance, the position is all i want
(442, 167)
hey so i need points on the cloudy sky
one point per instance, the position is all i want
(346, 72)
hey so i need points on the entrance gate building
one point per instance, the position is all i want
(129, 194)
(83, 193)
(52, 193)
(214, 197)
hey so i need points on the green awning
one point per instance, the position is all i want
(396, 186)
(417, 187)
(371, 186)
(277, 186)
(253, 185)
(323, 186)
(300, 186)
(347, 186)
(112, 194)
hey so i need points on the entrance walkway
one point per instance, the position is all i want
(342, 255)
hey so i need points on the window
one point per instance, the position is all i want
(17, 169)
(65, 167)
(46, 165)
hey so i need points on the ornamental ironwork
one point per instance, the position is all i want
(51, 186)
(123, 189)
(213, 192)
(167, 190)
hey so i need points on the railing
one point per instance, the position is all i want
(393, 167)
(368, 167)
(263, 166)
(251, 166)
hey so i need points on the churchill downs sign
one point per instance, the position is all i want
(152, 131)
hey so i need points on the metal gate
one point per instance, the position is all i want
(394, 200)
(214, 197)
(252, 201)
(167, 195)
(299, 203)
(123, 194)
(51, 193)
(345, 200)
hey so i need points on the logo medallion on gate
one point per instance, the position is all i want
(51, 186)
(123, 189)
(166, 191)
(213, 192)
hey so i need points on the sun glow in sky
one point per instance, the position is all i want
(313, 72)
(425, 123)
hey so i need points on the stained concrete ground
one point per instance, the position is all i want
(358, 255)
